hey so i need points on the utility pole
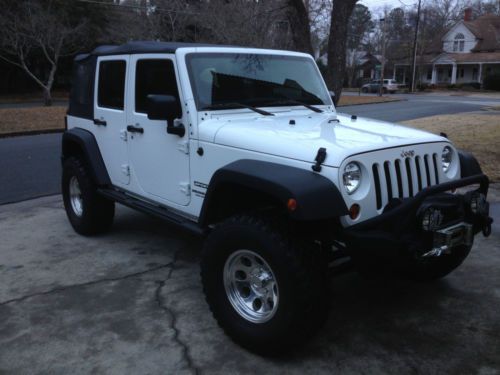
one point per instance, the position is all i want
(414, 65)
(382, 63)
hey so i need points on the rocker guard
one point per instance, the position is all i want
(397, 230)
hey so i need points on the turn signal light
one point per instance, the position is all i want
(291, 204)
(354, 211)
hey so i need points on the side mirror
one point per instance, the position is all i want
(166, 107)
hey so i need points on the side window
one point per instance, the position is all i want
(111, 90)
(154, 77)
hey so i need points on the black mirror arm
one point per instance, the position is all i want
(179, 129)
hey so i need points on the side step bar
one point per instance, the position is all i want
(153, 210)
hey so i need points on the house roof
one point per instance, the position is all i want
(487, 29)
(458, 58)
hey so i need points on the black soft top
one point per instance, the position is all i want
(81, 103)
(145, 47)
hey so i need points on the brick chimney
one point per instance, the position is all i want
(468, 14)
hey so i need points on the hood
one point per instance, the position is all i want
(299, 136)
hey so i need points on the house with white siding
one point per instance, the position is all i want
(466, 53)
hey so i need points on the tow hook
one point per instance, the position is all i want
(487, 228)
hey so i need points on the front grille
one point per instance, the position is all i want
(402, 178)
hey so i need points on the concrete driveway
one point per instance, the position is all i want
(130, 302)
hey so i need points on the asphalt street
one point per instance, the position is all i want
(30, 166)
(419, 105)
(131, 302)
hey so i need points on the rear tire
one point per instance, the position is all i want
(364, 90)
(297, 275)
(88, 212)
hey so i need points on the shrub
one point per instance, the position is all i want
(422, 86)
(492, 82)
(471, 85)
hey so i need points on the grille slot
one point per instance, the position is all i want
(376, 183)
(403, 177)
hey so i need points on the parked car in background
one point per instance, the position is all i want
(390, 85)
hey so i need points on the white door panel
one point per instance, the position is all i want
(159, 163)
(110, 119)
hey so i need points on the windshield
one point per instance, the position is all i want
(225, 79)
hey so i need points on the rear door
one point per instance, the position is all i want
(159, 161)
(110, 116)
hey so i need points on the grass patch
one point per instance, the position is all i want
(32, 97)
(36, 119)
(476, 133)
(354, 100)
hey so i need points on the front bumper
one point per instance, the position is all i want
(399, 229)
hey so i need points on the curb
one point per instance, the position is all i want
(389, 101)
(30, 132)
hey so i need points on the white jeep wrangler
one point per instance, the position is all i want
(244, 146)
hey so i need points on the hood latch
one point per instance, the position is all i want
(320, 158)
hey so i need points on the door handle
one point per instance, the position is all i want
(135, 129)
(99, 122)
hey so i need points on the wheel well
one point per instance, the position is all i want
(230, 199)
(71, 148)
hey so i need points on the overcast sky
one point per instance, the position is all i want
(379, 4)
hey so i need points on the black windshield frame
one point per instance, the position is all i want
(257, 101)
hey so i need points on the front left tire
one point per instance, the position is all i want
(88, 212)
(266, 288)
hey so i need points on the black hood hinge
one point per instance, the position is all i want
(320, 158)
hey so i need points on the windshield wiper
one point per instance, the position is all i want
(293, 101)
(238, 105)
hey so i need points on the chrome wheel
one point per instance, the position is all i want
(251, 286)
(75, 196)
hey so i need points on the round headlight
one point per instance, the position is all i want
(351, 177)
(446, 158)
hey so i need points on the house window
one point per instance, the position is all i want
(462, 72)
(429, 73)
(459, 43)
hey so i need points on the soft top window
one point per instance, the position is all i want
(81, 103)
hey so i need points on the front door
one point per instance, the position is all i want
(159, 162)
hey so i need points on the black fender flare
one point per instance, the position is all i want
(469, 166)
(317, 197)
(81, 142)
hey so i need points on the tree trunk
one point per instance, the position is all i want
(47, 97)
(341, 12)
(298, 17)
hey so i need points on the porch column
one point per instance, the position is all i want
(454, 74)
(434, 75)
(480, 73)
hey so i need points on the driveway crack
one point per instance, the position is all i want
(173, 321)
(88, 283)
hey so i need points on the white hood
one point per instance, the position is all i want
(277, 135)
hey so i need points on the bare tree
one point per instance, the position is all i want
(298, 16)
(33, 34)
(337, 44)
